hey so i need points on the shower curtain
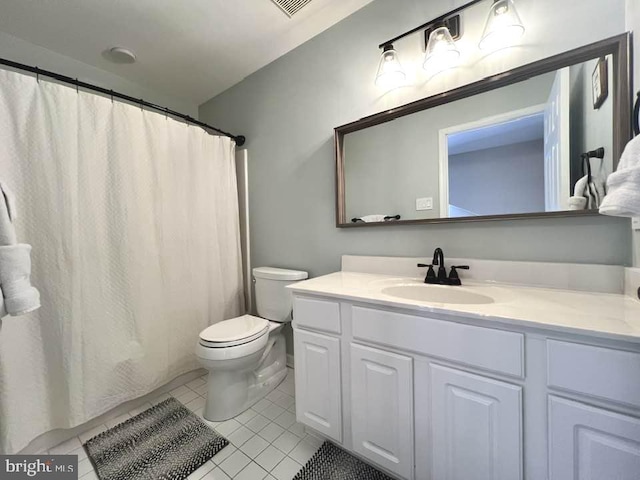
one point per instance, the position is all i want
(133, 218)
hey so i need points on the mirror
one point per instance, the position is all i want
(539, 140)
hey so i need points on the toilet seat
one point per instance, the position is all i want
(235, 331)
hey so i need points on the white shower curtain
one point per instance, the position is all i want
(133, 218)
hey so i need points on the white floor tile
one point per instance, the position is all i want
(216, 474)
(286, 469)
(269, 458)
(273, 411)
(159, 399)
(240, 436)
(261, 405)
(80, 453)
(298, 430)
(117, 420)
(201, 389)
(228, 427)
(313, 439)
(285, 401)
(84, 436)
(253, 471)
(202, 471)
(196, 404)
(187, 396)
(254, 446)
(223, 454)
(303, 452)
(274, 396)
(66, 447)
(288, 388)
(236, 462)
(286, 442)
(247, 415)
(257, 423)
(196, 383)
(137, 411)
(286, 419)
(181, 390)
(292, 408)
(271, 432)
(84, 467)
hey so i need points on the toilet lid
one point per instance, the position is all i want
(235, 330)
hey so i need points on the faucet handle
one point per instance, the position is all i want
(424, 265)
(454, 278)
(431, 274)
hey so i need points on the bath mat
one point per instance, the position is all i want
(165, 442)
(333, 463)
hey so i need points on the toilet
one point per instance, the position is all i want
(246, 355)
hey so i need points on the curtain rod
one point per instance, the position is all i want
(239, 139)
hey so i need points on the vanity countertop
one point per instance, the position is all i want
(603, 315)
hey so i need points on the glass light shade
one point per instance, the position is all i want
(503, 27)
(442, 52)
(390, 73)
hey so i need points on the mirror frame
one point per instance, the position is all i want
(618, 46)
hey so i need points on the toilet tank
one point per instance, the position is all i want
(273, 300)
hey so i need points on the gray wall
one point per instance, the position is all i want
(21, 51)
(288, 111)
(506, 179)
(590, 128)
(390, 165)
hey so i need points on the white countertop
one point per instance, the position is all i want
(603, 315)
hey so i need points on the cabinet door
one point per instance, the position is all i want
(382, 408)
(589, 443)
(476, 427)
(318, 389)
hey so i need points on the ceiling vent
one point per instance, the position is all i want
(291, 7)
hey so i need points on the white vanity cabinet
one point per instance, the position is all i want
(476, 426)
(382, 408)
(318, 384)
(435, 397)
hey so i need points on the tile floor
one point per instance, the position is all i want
(265, 442)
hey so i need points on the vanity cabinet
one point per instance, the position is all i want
(429, 396)
(382, 408)
(318, 384)
(476, 426)
(589, 443)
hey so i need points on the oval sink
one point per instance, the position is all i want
(437, 294)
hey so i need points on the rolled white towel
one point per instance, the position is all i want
(577, 203)
(20, 296)
(623, 185)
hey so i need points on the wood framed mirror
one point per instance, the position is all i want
(513, 145)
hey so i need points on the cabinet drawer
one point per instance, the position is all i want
(600, 372)
(484, 348)
(323, 315)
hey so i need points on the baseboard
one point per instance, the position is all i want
(289, 360)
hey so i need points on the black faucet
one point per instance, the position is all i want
(441, 278)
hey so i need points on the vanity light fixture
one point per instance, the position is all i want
(503, 27)
(390, 72)
(442, 52)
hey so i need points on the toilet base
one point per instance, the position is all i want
(231, 392)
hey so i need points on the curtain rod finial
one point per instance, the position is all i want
(240, 140)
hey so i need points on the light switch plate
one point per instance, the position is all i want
(635, 223)
(425, 203)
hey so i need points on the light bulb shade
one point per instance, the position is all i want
(442, 52)
(390, 73)
(503, 27)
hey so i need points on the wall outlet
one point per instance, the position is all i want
(635, 223)
(425, 203)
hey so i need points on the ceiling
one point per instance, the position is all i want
(190, 49)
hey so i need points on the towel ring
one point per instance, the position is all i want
(636, 116)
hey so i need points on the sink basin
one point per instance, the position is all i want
(437, 294)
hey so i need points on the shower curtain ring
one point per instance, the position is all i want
(37, 75)
(111, 91)
(166, 113)
(141, 104)
(77, 86)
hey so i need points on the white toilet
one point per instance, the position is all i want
(246, 355)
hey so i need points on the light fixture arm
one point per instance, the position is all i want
(424, 26)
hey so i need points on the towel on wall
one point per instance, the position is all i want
(18, 295)
(623, 198)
